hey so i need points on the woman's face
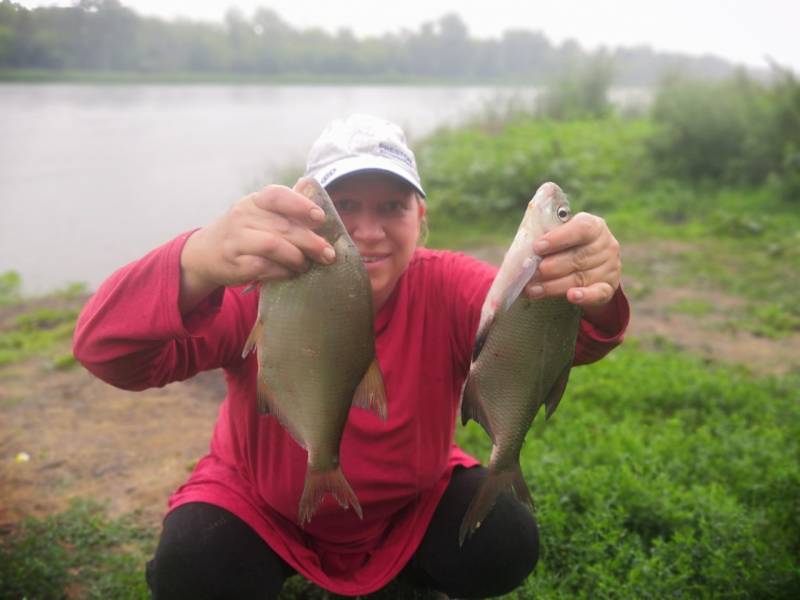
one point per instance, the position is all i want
(382, 214)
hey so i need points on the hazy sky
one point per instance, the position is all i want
(743, 31)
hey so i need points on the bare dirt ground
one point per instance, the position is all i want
(132, 449)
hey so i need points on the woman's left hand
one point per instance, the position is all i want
(580, 259)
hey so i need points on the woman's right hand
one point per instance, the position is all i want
(265, 235)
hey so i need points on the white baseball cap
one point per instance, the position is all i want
(361, 143)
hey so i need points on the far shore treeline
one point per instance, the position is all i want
(105, 37)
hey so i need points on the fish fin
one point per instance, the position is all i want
(480, 337)
(267, 404)
(255, 335)
(472, 407)
(263, 395)
(500, 300)
(529, 267)
(253, 285)
(484, 500)
(319, 483)
(556, 392)
(371, 393)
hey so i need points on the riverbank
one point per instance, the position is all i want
(186, 78)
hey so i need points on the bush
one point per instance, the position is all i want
(732, 132)
(581, 94)
(471, 173)
(10, 284)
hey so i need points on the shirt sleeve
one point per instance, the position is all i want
(131, 333)
(600, 336)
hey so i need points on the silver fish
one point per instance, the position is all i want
(316, 356)
(522, 357)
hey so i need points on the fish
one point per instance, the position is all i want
(522, 356)
(315, 345)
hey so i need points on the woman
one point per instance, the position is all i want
(231, 529)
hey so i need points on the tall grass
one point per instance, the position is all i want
(730, 132)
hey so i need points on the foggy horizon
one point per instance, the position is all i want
(745, 33)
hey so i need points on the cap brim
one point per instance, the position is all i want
(357, 164)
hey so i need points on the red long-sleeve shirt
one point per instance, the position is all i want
(131, 334)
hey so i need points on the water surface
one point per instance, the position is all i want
(94, 176)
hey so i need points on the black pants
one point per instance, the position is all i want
(206, 552)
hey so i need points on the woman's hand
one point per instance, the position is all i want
(581, 260)
(265, 235)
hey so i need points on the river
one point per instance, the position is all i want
(93, 176)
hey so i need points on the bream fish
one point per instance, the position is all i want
(522, 357)
(316, 356)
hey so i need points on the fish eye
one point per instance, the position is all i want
(562, 213)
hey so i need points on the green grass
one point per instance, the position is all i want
(742, 240)
(760, 271)
(10, 286)
(695, 308)
(484, 174)
(81, 549)
(659, 476)
(37, 332)
(36, 327)
(491, 169)
(662, 476)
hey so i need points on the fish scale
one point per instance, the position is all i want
(523, 354)
(295, 359)
(315, 342)
(547, 328)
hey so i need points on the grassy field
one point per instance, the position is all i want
(662, 475)
(666, 477)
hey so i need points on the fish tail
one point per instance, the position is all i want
(317, 484)
(486, 496)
